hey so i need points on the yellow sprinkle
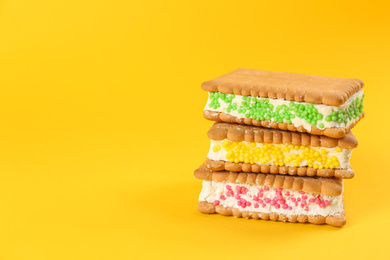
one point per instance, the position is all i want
(216, 148)
(296, 147)
(225, 143)
(323, 151)
(338, 149)
(315, 166)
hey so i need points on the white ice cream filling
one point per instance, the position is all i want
(343, 157)
(262, 199)
(325, 110)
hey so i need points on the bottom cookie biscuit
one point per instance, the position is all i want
(262, 202)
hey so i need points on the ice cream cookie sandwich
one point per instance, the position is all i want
(272, 197)
(245, 148)
(317, 105)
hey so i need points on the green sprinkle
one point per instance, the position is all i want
(321, 125)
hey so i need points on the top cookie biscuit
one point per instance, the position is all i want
(331, 91)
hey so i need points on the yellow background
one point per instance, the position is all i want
(101, 125)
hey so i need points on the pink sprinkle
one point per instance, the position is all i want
(280, 197)
(266, 188)
(239, 203)
(277, 205)
(299, 199)
(318, 201)
(319, 196)
(304, 202)
(256, 205)
(216, 203)
(302, 205)
(287, 193)
(304, 197)
(282, 202)
(302, 192)
(237, 196)
(293, 199)
(238, 188)
(223, 197)
(267, 200)
(228, 187)
(243, 206)
(243, 201)
(260, 200)
(289, 207)
(322, 205)
(255, 198)
(307, 208)
(272, 202)
(327, 203)
(285, 206)
(312, 200)
(264, 205)
(296, 204)
(261, 194)
(261, 190)
(248, 203)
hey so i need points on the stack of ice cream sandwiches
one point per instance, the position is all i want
(280, 147)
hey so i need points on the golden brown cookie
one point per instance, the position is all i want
(334, 132)
(338, 220)
(314, 185)
(331, 91)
